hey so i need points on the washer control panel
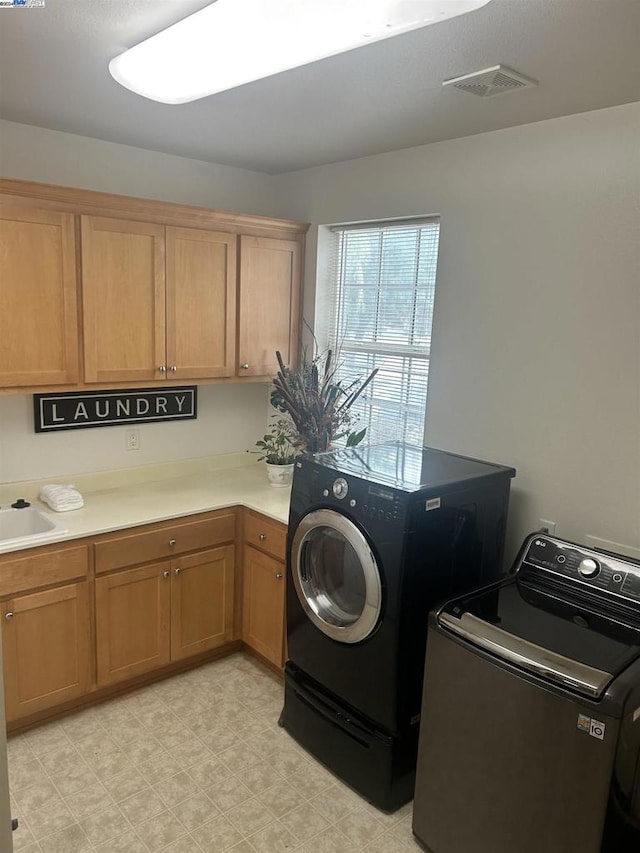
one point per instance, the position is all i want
(603, 572)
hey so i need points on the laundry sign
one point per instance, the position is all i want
(110, 408)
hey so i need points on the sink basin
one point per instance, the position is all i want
(27, 526)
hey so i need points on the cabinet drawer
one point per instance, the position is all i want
(164, 541)
(18, 574)
(266, 534)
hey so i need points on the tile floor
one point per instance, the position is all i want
(194, 764)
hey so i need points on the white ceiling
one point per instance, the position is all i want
(386, 96)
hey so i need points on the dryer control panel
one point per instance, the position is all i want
(569, 562)
(363, 499)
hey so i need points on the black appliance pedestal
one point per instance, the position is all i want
(380, 767)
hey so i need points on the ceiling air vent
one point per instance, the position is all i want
(497, 80)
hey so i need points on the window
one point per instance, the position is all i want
(382, 284)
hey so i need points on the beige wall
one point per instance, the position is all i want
(230, 418)
(536, 350)
(35, 154)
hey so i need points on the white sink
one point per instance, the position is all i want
(27, 527)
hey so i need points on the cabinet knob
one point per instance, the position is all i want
(279, 576)
(8, 615)
(163, 368)
(172, 542)
(173, 368)
(262, 537)
(244, 366)
(178, 571)
(166, 574)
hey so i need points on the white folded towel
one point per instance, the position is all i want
(61, 497)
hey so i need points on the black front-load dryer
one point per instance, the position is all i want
(377, 536)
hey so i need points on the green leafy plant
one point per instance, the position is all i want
(318, 403)
(277, 447)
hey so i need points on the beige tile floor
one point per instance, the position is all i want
(194, 764)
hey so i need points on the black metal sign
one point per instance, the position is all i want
(110, 408)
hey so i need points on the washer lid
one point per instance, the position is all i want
(545, 635)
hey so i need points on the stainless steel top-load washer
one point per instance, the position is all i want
(530, 732)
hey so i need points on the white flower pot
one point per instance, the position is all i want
(279, 475)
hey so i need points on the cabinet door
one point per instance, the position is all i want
(201, 303)
(269, 304)
(46, 649)
(202, 601)
(132, 622)
(123, 300)
(38, 314)
(263, 605)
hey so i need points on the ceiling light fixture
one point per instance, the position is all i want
(232, 42)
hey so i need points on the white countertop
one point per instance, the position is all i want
(126, 498)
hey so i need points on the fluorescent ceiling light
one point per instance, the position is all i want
(232, 42)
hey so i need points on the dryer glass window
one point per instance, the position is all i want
(336, 577)
(333, 577)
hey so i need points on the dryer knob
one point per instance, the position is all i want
(589, 568)
(340, 488)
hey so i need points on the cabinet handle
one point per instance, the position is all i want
(244, 366)
(163, 368)
(173, 368)
(262, 537)
(172, 542)
(178, 571)
(279, 576)
(166, 574)
(8, 615)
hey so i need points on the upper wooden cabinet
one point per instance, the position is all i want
(38, 319)
(169, 293)
(269, 304)
(123, 304)
(158, 302)
(201, 303)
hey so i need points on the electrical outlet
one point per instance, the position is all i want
(548, 526)
(133, 439)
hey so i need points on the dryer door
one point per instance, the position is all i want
(336, 576)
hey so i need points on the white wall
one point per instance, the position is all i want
(536, 351)
(230, 418)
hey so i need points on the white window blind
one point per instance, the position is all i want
(381, 309)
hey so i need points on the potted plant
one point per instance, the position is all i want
(277, 449)
(318, 403)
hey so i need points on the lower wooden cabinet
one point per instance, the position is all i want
(263, 605)
(149, 616)
(47, 649)
(132, 622)
(202, 588)
(162, 593)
